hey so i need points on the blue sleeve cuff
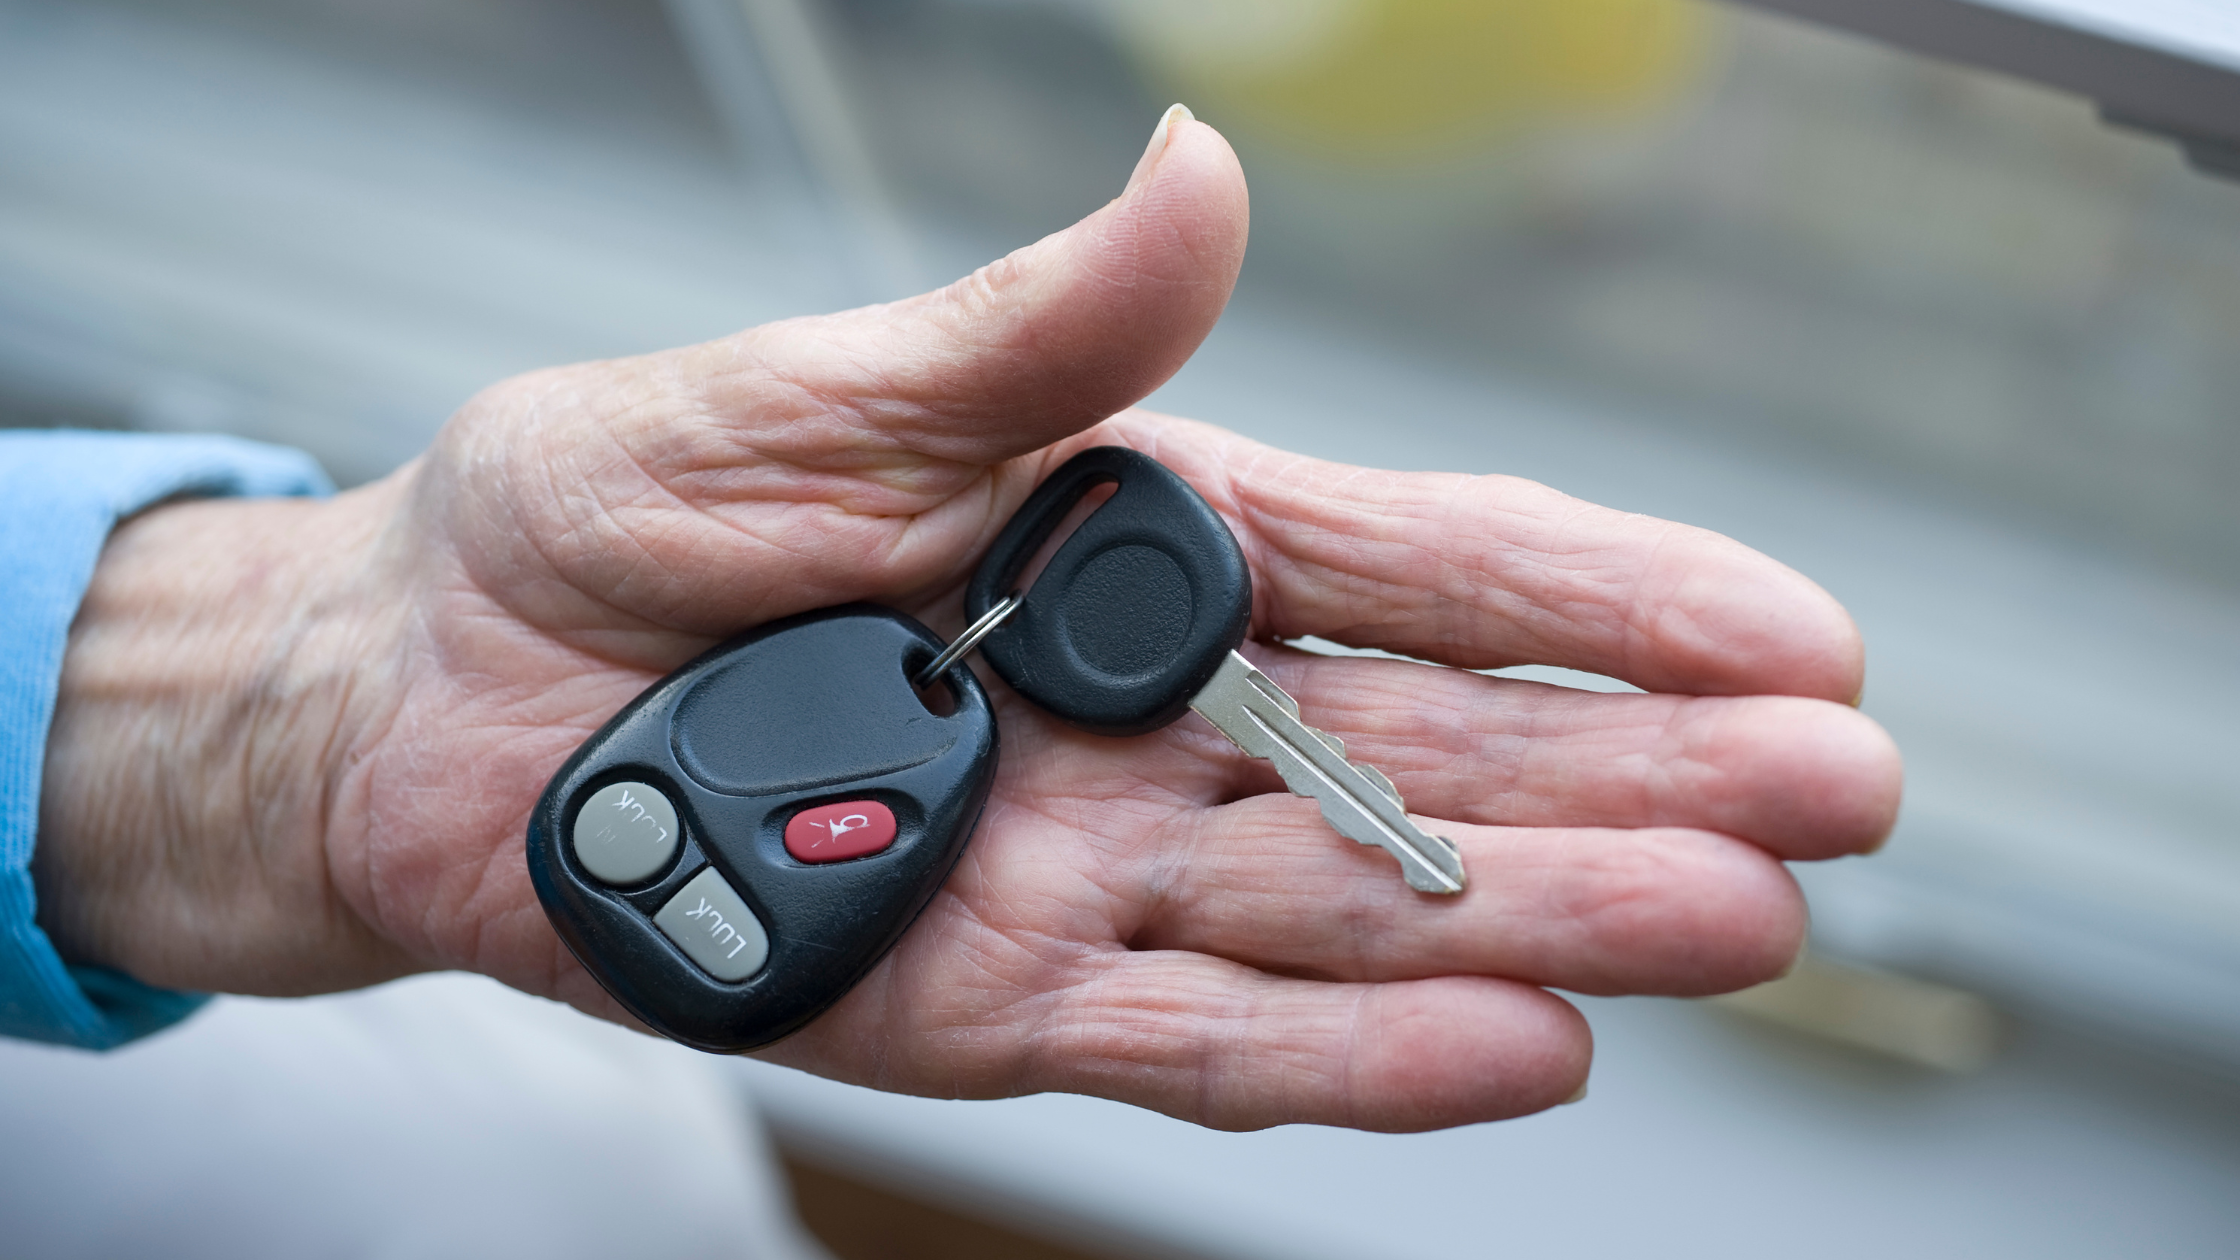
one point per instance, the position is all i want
(61, 493)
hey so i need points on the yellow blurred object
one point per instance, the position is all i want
(1400, 77)
(1913, 1021)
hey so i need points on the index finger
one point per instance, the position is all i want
(1490, 571)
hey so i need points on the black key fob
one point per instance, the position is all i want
(1134, 612)
(747, 839)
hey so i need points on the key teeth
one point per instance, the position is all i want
(1382, 780)
(1434, 879)
(1432, 866)
(1424, 877)
(1435, 882)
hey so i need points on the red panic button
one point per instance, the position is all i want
(835, 833)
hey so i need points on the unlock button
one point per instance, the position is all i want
(710, 923)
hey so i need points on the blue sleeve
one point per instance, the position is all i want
(60, 495)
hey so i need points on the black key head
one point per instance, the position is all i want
(747, 839)
(1135, 611)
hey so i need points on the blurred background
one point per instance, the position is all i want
(1943, 340)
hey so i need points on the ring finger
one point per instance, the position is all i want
(1664, 910)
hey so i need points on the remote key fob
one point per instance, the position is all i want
(1137, 619)
(741, 844)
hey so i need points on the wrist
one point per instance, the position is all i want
(210, 692)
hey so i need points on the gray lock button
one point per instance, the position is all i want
(626, 833)
(713, 926)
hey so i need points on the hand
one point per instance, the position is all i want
(299, 742)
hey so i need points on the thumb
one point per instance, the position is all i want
(1027, 350)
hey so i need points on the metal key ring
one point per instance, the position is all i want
(969, 640)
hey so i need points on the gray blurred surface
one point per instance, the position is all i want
(2169, 66)
(1700, 1138)
(214, 217)
(438, 1116)
(1940, 341)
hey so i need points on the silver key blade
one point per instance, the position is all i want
(1259, 717)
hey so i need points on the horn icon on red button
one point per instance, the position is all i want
(837, 832)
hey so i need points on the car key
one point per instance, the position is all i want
(1137, 618)
(744, 841)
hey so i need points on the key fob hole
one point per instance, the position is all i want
(940, 697)
(1097, 495)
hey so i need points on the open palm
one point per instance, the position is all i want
(1150, 919)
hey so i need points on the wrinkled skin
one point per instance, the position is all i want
(299, 742)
